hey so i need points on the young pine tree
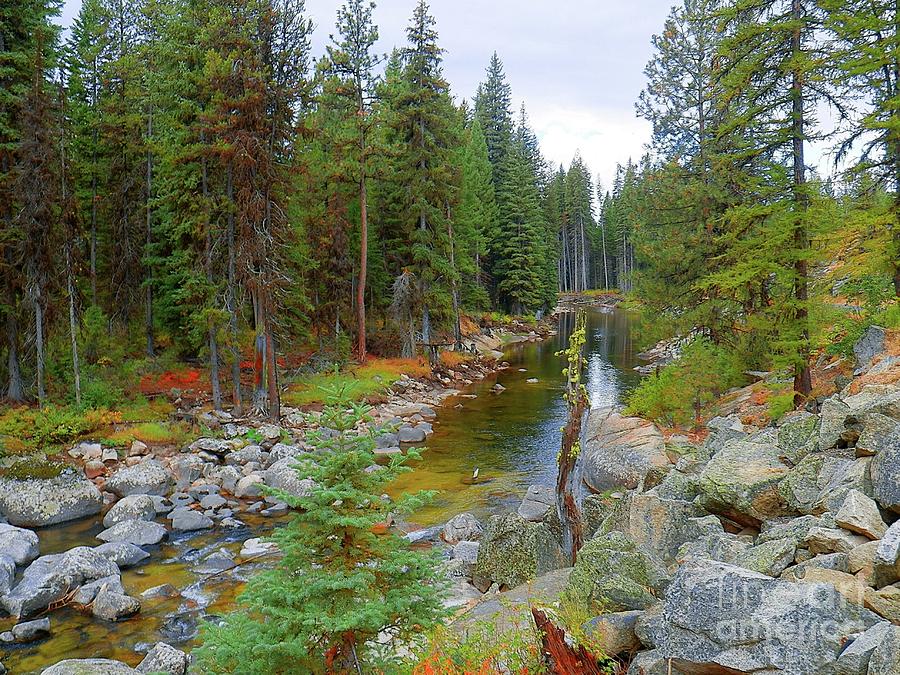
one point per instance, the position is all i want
(340, 583)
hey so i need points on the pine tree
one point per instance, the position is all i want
(340, 584)
(493, 112)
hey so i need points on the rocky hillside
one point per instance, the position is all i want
(759, 550)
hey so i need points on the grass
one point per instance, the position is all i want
(356, 382)
(454, 359)
(151, 433)
(142, 409)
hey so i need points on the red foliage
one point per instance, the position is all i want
(188, 378)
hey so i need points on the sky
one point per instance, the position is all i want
(576, 64)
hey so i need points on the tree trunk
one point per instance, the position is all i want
(39, 347)
(457, 327)
(363, 253)
(15, 389)
(148, 299)
(272, 372)
(213, 341)
(260, 319)
(231, 300)
(560, 657)
(802, 379)
(603, 240)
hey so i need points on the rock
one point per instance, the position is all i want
(513, 551)
(856, 657)
(213, 502)
(770, 558)
(797, 435)
(651, 663)
(51, 577)
(614, 633)
(832, 540)
(163, 505)
(112, 606)
(411, 434)
(801, 487)
(132, 507)
(163, 658)
(249, 486)
(860, 514)
(619, 451)
(41, 502)
(161, 591)
(7, 573)
(870, 345)
(720, 546)
(841, 476)
(611, 573)
(187, 520)
(86, 594)
(94, 469)
(837, 562)
(147, 478)
(137, 532)
(741, 482)
(138, 448)
(831, 422)
(718, 618)
(19, 544)
(257, 547)
(270, 432)
(29, 631)
(796, 529)
(862, 558)
(885, 471)
(885, 660)
(851, 587)
(283, 475)
(216, 562)
(122, 553)
(887, 556)
(885, 602)
(249, 453)
(186, 469)
(662, 526)
(89, 667)
(180, 500)
(466, 551)
(537, 501)
(722, 430)
(462, 527)
(281, 451)
(879, 434)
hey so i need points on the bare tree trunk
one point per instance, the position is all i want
(231, 300)
(39, 346)
(363, 251)
(260, 320)
(15, 389)
(457, 328)
(605, 267)
(94, 192)
(213, 341)
(73, 325)
(272, 371)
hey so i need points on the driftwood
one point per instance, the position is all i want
(561, 658)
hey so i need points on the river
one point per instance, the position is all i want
(511, 437)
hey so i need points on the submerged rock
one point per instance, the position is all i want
(137, 532)
(41, 502)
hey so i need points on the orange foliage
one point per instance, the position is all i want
(188, 378)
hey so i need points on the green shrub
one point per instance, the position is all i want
(52, 426)
(98, 394)
(677, 394)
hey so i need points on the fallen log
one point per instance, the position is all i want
(561, 658)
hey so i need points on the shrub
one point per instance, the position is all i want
(482, 650)
(99, 394)
(52, 426)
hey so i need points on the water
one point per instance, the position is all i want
(512, 438)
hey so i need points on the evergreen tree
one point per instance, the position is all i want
(340, 584)
(493, 112)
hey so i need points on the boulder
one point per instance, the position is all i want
(283, 475)
(513, 551)
(879, 433)
(537, 501)
(860, 514)
(796, 529)
(832, 418)
(249, 486)
(147, 478)
(885, 659)
(870, 345)
(187, 520)
(797, 435)
(837, 562)
(90, 667)
(411, 434)
(122, 553)
(741, 482)
(885, 471)
(41, 502)
(801, 487)
(886, 562)
(249, 453)
(719, 546)
(137, 532)
(832, 540)
(132, 507)
(722, 430)
(612, 573)
(614, 633)
(51, 577)
(163, 658)
(462, 527)
(840, 476)
(19, 544)
(651, 663)
(186, 469)
(7, 573)
(770, 558)
(110, 605)
(719, 618)
(884, 601)
(662, 526)
(856, 657)
(256, 547)
(29, 631)
(86, 594)
(619, 451)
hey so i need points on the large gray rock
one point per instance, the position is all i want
(283, 475)
(619, 451)
(886, 563)
(137, 532)
(147, 478)
(855, 659)
(860, 514)
(718, 618)
(7, 573)
(537, 501)
(462, 527)
(513, 551)
(110, 605)
(832, 540)
(797, 435)
(770, 558)
(885, 659)
(122, 553)
(870, 345)
(722, 430)
(21, 545)
(29, 631)
(41, 502)
(132, 507)
(614, 633)
(90, 667)
(52, 577)
(411, 434)
(885, 471)
(879, 433)
(187, 520)
(832, 418)
(741, 482)
(612, 573)
(86, 594)
(163, 658)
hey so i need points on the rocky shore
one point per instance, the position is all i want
(151, 496)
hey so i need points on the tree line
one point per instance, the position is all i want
(726, 224)
(186, 175)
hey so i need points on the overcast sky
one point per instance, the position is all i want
(577, 64)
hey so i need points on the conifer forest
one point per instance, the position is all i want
(253, 258)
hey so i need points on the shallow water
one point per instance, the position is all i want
(512, 438)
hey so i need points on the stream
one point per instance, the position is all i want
(511, 437)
